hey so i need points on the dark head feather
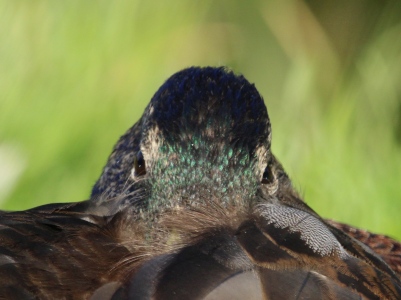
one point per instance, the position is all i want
(205, 131)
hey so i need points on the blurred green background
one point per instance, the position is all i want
(74, 75)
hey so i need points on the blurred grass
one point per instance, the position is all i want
(74, 75)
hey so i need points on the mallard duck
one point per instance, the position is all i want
(192, 204)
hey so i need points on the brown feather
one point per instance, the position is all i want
(388, 248)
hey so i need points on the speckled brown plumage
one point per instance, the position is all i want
(388, 248)
(56, 252)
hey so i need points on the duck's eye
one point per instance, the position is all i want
(268, 176)
(139, 164)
